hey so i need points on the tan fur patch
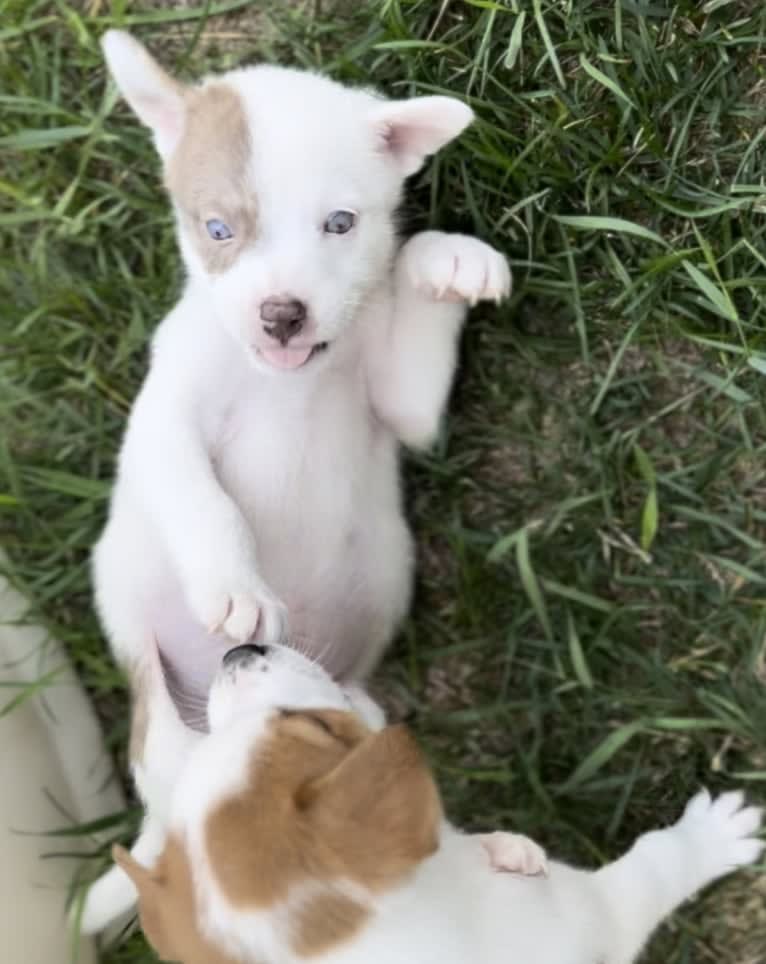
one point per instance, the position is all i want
(207, 175)
(168, 909)
(326, 801)
(324, 921)
(257, 842)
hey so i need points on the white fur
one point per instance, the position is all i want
(132, 68)
(255, 501)
(167, 745)
(454, 910)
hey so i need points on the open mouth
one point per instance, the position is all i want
(289, 357)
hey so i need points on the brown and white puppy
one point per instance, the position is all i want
(299, 832)
(162, 743)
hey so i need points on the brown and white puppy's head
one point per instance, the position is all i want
(292, 817)
(285, 186)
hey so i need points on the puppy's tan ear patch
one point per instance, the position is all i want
(379, 808)
(325, 921)
(158, 100)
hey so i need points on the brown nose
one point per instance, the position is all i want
(283, 318)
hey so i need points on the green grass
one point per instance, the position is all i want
(588, 643)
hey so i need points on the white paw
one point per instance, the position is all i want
(111, 896)
(722, 831)
(240, 612)
(515, 854)
(456, 267)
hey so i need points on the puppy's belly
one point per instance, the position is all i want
(331, 539)
(190, 655)
(321, 498)
(341, 618)
(344, 595)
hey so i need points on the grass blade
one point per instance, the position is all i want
(530, 582)
(601, 755)
(587, 222)
(601, 78)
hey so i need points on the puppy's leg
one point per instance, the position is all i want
(167, 476)
(412, 362)
(666, 867)
(114, 894)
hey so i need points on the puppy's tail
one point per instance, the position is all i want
(114, 895)
(666, 867)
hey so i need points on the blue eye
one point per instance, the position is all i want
(218, 231)
(339, 222)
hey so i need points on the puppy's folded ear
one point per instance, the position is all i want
(159, 101)
(378, 809)
(410, 130)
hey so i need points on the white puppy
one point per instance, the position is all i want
(258, 478)
(299, 831)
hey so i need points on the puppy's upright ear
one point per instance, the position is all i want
(410, 130)
(158, 99)
(379, 808)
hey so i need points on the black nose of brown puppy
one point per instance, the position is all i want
(283, 318)
(244, 654)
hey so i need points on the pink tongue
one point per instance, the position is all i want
(287, 357)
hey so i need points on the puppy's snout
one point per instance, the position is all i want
(283, 317)
(242, 655)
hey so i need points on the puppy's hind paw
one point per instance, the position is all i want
(513, 853)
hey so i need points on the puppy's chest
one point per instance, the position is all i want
(281, 453)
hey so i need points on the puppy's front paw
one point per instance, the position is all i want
(240, 612)
(514, 853)
(456, 267)
(721, 832)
